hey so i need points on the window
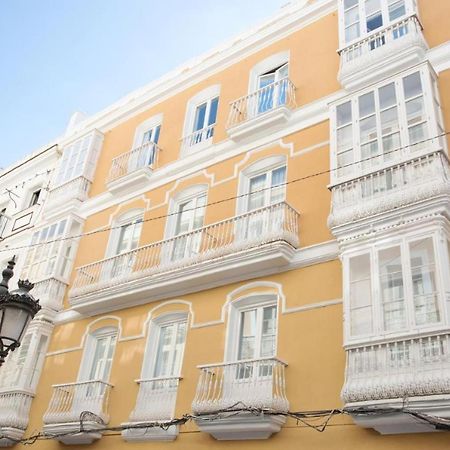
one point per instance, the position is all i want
(361, 17)
(46, 247)
(189, 217)
(402, 279)
(35, 197)
(145, 153)
(384, 124)
(272, 88)
(102, 354)
(124, 238)
(79, 159)
(264, 188)
(201, 116)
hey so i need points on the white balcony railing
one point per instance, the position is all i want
(70, 400)
(270, 97)
(257, 383)
(144, 156)
(277, 222)
(50, 292)
(14, 409)
(402, 42)
(392, 187)
(76, 189)
(407, 26)
(156, 399)
(400, 369)
(197, 137)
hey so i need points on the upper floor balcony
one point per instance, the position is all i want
(235, 248)
(268, 106)
(155, 403)
(233, 387)
(397, 186)
(77, 410)
(382, 52)
(131, 170)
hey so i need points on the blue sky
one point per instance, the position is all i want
(60, 56)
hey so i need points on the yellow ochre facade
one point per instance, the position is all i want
(263, 231)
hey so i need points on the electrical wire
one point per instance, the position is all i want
(234, 197)
(305, 418)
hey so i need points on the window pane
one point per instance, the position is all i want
(368, 129)
(389, 121)
(416, 135)
(412, 85)
(424, 281)
(396, 10)
(256, 197)
(375, 21)
(391, 285)
(350, 3)
(344, 161)
(247, 335)
(351, 16)
(372, 6)
(366, 104)
(352, 32)
(387, 96)
(415, 111)
(199, 121)
(344, 114)
(344, 137)
(213, 111)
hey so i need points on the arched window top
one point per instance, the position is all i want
(264, 164)
(266, 65)
(129, 216)
(190, 192)
(148, 130)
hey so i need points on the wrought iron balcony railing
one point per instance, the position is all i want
(278, 222)
(257, 383)
(270, 97)
(145, 156)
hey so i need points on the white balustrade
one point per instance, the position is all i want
(257, 383)
(399, 369)
(409, 26)
(14, 409)
(391, 187)
(50, 292)
(144, 156)
(277, 222)
(198, 136)
(76, 189)
(270, 97)
(156, 399)
(70, 400)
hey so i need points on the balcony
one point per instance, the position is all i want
(133, 169)
(267, 107)
(258, 383)
(232, 249)
(412, 374)
(67, 196)
(406, 183)
(382, 53)
(50, 292)
(14, 412)
(155, 402)
(77, 412)
(198, 140)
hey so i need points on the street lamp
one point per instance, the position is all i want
(17, 308)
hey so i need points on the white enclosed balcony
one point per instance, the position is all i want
(230, 388)
(400, 375)
(155, 403)
(14, 412)
(234, 248)
(397, 186)
(50, 292)
(132, 170)
(77, 411)
(266, 107)
(382, 53)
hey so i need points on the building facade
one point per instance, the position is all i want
(261, 232)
